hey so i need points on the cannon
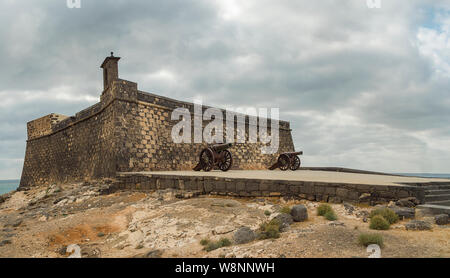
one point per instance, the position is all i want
(287, 160)
(215, 156)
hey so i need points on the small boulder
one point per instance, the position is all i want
(409, 202)
(220, 230)
(441, 219)
(62, 250)
(154, 254)
(299, 213)
(404, 213)
(336, 223)
(418, 225)
(349, 208)
(365, 197)
(285, 221)
(244, 235)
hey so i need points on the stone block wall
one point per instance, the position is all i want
(76, 151)
(313, 191)
(43, 125)
(150, 146)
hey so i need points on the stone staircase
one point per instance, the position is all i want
(437, 199)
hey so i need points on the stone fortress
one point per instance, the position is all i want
(127, 131)
(127, 137)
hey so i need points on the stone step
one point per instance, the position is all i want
(437, 191)
(440, 203)
(438, 187)
(436, 208)
(439, 197)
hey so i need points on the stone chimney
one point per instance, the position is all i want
(110, 70)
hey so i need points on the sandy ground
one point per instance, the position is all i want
(306, 175)
(42, 222)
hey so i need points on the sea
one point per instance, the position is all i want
(10, 185)
(425, 175)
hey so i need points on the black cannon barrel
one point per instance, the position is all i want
(221, 147)
(294, 153)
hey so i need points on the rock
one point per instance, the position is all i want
(334, 200)
(336, 223)
(285, 220)
(90, 251)
(43, 218)
(121, 245)
(409, 202)
(299, 213)
(404, 213)
(418, 225)
(100, 234)
(222, 230)
(244, 235)
(154, 254)
(391, 204)
(4, 242)
(349, 208)
(362, 214)
(62, 250)
(107, 189)
(364, 197)
(139, 246)
(441, 219)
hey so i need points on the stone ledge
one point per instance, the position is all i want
(318, 191)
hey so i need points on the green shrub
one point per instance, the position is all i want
(330, 215)
(204, 242)
(379, 223)
(323, 209)
(267, 213)
(224, 242)
(213, 245)
(286, 210)
(368, 239)
(387, 214)
(269, 229)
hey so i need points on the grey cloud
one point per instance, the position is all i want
(319, 58)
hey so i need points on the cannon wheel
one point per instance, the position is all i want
(283, 162)
(295, 163)
(227, 161)
(207, 159)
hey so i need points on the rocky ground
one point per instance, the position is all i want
(44, 221)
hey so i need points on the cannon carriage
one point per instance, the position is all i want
(215, 156)
(288, 160)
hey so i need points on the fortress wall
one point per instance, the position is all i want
(43, 125)
(151, 147)
(76, 149)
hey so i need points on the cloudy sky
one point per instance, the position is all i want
(363, 88)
